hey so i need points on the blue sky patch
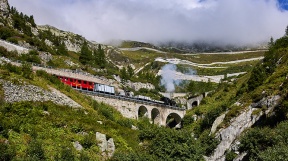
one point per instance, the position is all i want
(283, 4)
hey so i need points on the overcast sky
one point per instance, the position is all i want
(228, 21)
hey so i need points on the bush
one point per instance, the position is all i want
(27, 71)
(66, 154)
(13, 68)
(230, 156)
(187, 120)
(125, 122)
(88, 141)
(35, 150)
(13, 40)
(53, 79)
(7, 152)
(107, 112)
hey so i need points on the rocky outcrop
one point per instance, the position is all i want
(106, 147)
(4, 7)
(72, 46)
(18, 93)
(245, 120)
(110, 147)
(217, 122)
(45, 57)
(138, 85)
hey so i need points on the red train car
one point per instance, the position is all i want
(77, 83)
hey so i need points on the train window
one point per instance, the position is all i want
(84, 82)
(90, 83)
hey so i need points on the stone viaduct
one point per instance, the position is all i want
(157, 114)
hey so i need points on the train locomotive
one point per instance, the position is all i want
(168, 101)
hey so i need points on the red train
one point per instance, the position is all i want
(77, 83)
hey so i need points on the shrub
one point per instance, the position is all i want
(107, 112)
(7, 152)
(66, 154)
(88, 141)
(13, 68)
(13, 40)
(187, 120)
(125, 122)
(230, 156)
(35, 150)
(27, 71)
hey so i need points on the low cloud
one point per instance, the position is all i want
(225, 21)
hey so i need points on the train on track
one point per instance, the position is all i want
(110, 90)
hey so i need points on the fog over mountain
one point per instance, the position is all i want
(224, 21)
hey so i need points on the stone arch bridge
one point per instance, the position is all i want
(157, 114)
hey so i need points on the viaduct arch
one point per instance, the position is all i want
(157, 114)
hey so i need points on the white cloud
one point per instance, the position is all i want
(229, 21)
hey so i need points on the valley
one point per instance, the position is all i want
(64, 97)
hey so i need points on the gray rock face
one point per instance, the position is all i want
(102, 142)
(110, 147)
(137, 85)
(18, 93)
(4, 7)
(217, 122)
(245, 120)
(45, 57)
(77, 146)
(107, 147)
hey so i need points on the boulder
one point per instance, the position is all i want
(102, 142)
(77, 146)
(217, 122)
(110, 147)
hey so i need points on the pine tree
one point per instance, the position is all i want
(61, 49)
(130, 71)
(270, 44)
(286, 31)
(101, 57)
(85, 55)
(124, 74)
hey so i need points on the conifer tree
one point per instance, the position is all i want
(101, 57)
(85, 55)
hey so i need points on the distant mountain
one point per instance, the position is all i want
(209, 47)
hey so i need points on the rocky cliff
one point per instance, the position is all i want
(237, 125)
